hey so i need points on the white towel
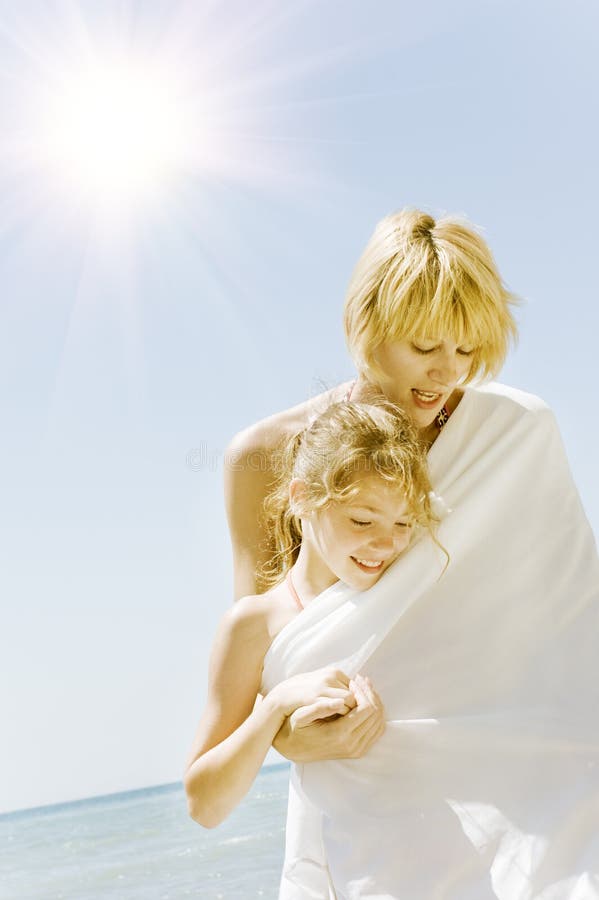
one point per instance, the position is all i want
(486, 781)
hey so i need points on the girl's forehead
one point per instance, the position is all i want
(370, 490)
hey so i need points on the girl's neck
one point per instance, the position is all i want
(311, 576)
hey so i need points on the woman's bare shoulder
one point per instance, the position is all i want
(267, 434)
(250, 471)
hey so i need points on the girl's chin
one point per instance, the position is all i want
(359, 579)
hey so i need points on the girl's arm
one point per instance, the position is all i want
(235, 733)
(231, 741)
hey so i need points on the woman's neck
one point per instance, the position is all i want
(365, 391)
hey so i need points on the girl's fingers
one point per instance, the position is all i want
(366, 719)
(303, 716)
(371, 733)
(322, 708)
(369, 701)
(369, 691)
(358, 691)
(341, 677)
(351, 701)
(339, 694)
(357, 717)
(356, 732)
(335, 677)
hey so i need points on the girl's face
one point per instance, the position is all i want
(358, 539)
(420, 374)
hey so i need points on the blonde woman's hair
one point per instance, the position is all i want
(344, 443)
(421, 278)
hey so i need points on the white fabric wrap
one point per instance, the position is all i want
(486, 781)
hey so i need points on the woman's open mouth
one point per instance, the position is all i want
(426, 399)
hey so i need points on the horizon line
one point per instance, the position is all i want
(97, 798)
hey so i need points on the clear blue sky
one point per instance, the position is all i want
(130, 354)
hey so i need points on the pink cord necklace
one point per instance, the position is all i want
(292, 590)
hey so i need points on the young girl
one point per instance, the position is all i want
(352, 488)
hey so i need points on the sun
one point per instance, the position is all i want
(116, 132)
(119, 115)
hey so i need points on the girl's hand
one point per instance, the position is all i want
(305, 737)
(324, 692)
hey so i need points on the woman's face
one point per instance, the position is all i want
(358, 539)
(420, 374)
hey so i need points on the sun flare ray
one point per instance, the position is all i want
(118, 116)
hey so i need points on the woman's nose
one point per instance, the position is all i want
(445, 369)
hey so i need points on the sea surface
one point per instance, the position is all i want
(142, 845)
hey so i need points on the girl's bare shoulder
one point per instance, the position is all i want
(258, 618)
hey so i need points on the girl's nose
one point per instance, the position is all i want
(383, 543)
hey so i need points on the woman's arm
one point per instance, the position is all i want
(249, 474)
(235, 733)
(248, 477)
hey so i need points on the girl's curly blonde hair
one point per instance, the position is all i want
(345, 442)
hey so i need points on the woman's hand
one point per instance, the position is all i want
(324, 692)
(305, 737)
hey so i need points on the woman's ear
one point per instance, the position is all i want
(298, 494)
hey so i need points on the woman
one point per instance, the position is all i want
(480, 785)
(426, 312)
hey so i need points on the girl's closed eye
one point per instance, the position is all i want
(359, 522)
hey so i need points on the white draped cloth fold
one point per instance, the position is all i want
(486, 781)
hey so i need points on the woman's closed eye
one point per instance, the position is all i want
(424, 351)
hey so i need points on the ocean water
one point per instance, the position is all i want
(142, 845)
